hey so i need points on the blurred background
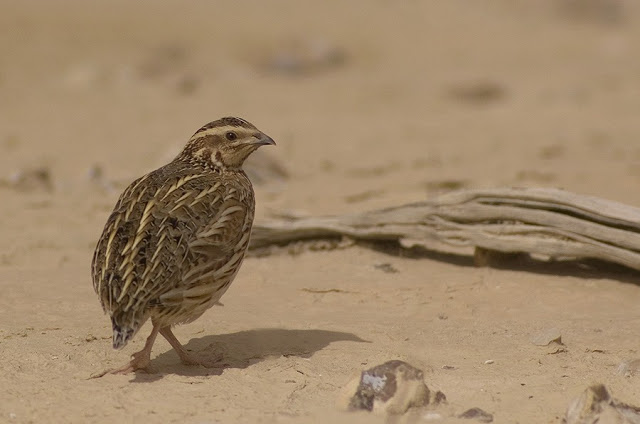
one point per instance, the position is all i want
(372, 103)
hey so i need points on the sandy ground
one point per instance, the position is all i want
(372, 103)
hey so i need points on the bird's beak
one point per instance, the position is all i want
(263, 140)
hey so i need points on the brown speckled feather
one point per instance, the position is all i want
(176, 237)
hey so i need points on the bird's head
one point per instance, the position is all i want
(225, 143)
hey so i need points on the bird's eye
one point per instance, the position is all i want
(231, 136)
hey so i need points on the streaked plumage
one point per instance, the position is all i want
(177, 236)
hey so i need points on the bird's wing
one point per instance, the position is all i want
(145, 239)
(169, 240)
(123, 262)
(113, 260)
(215, 250)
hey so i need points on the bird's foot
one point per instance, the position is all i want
(139, 361)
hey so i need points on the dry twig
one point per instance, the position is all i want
(552, 223)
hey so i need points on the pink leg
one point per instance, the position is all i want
(187, 357)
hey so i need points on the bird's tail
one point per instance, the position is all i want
(122, 333)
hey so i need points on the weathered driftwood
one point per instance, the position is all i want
(551, 223)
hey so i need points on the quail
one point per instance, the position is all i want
(177, 237)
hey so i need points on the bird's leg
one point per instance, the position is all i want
(139, 360)
(187, 357)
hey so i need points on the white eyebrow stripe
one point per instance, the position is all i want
(216, 130)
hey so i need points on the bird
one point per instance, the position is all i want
(176, 239)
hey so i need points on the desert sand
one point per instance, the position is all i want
(372, 104)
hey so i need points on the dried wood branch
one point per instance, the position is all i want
(551, 223)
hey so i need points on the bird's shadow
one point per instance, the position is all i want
(242, 349)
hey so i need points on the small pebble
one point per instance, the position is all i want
(546, 337)
(432, 416)
(629, 368)
(390, 388)
(477, 414)
(386, 268)
(31, 180)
